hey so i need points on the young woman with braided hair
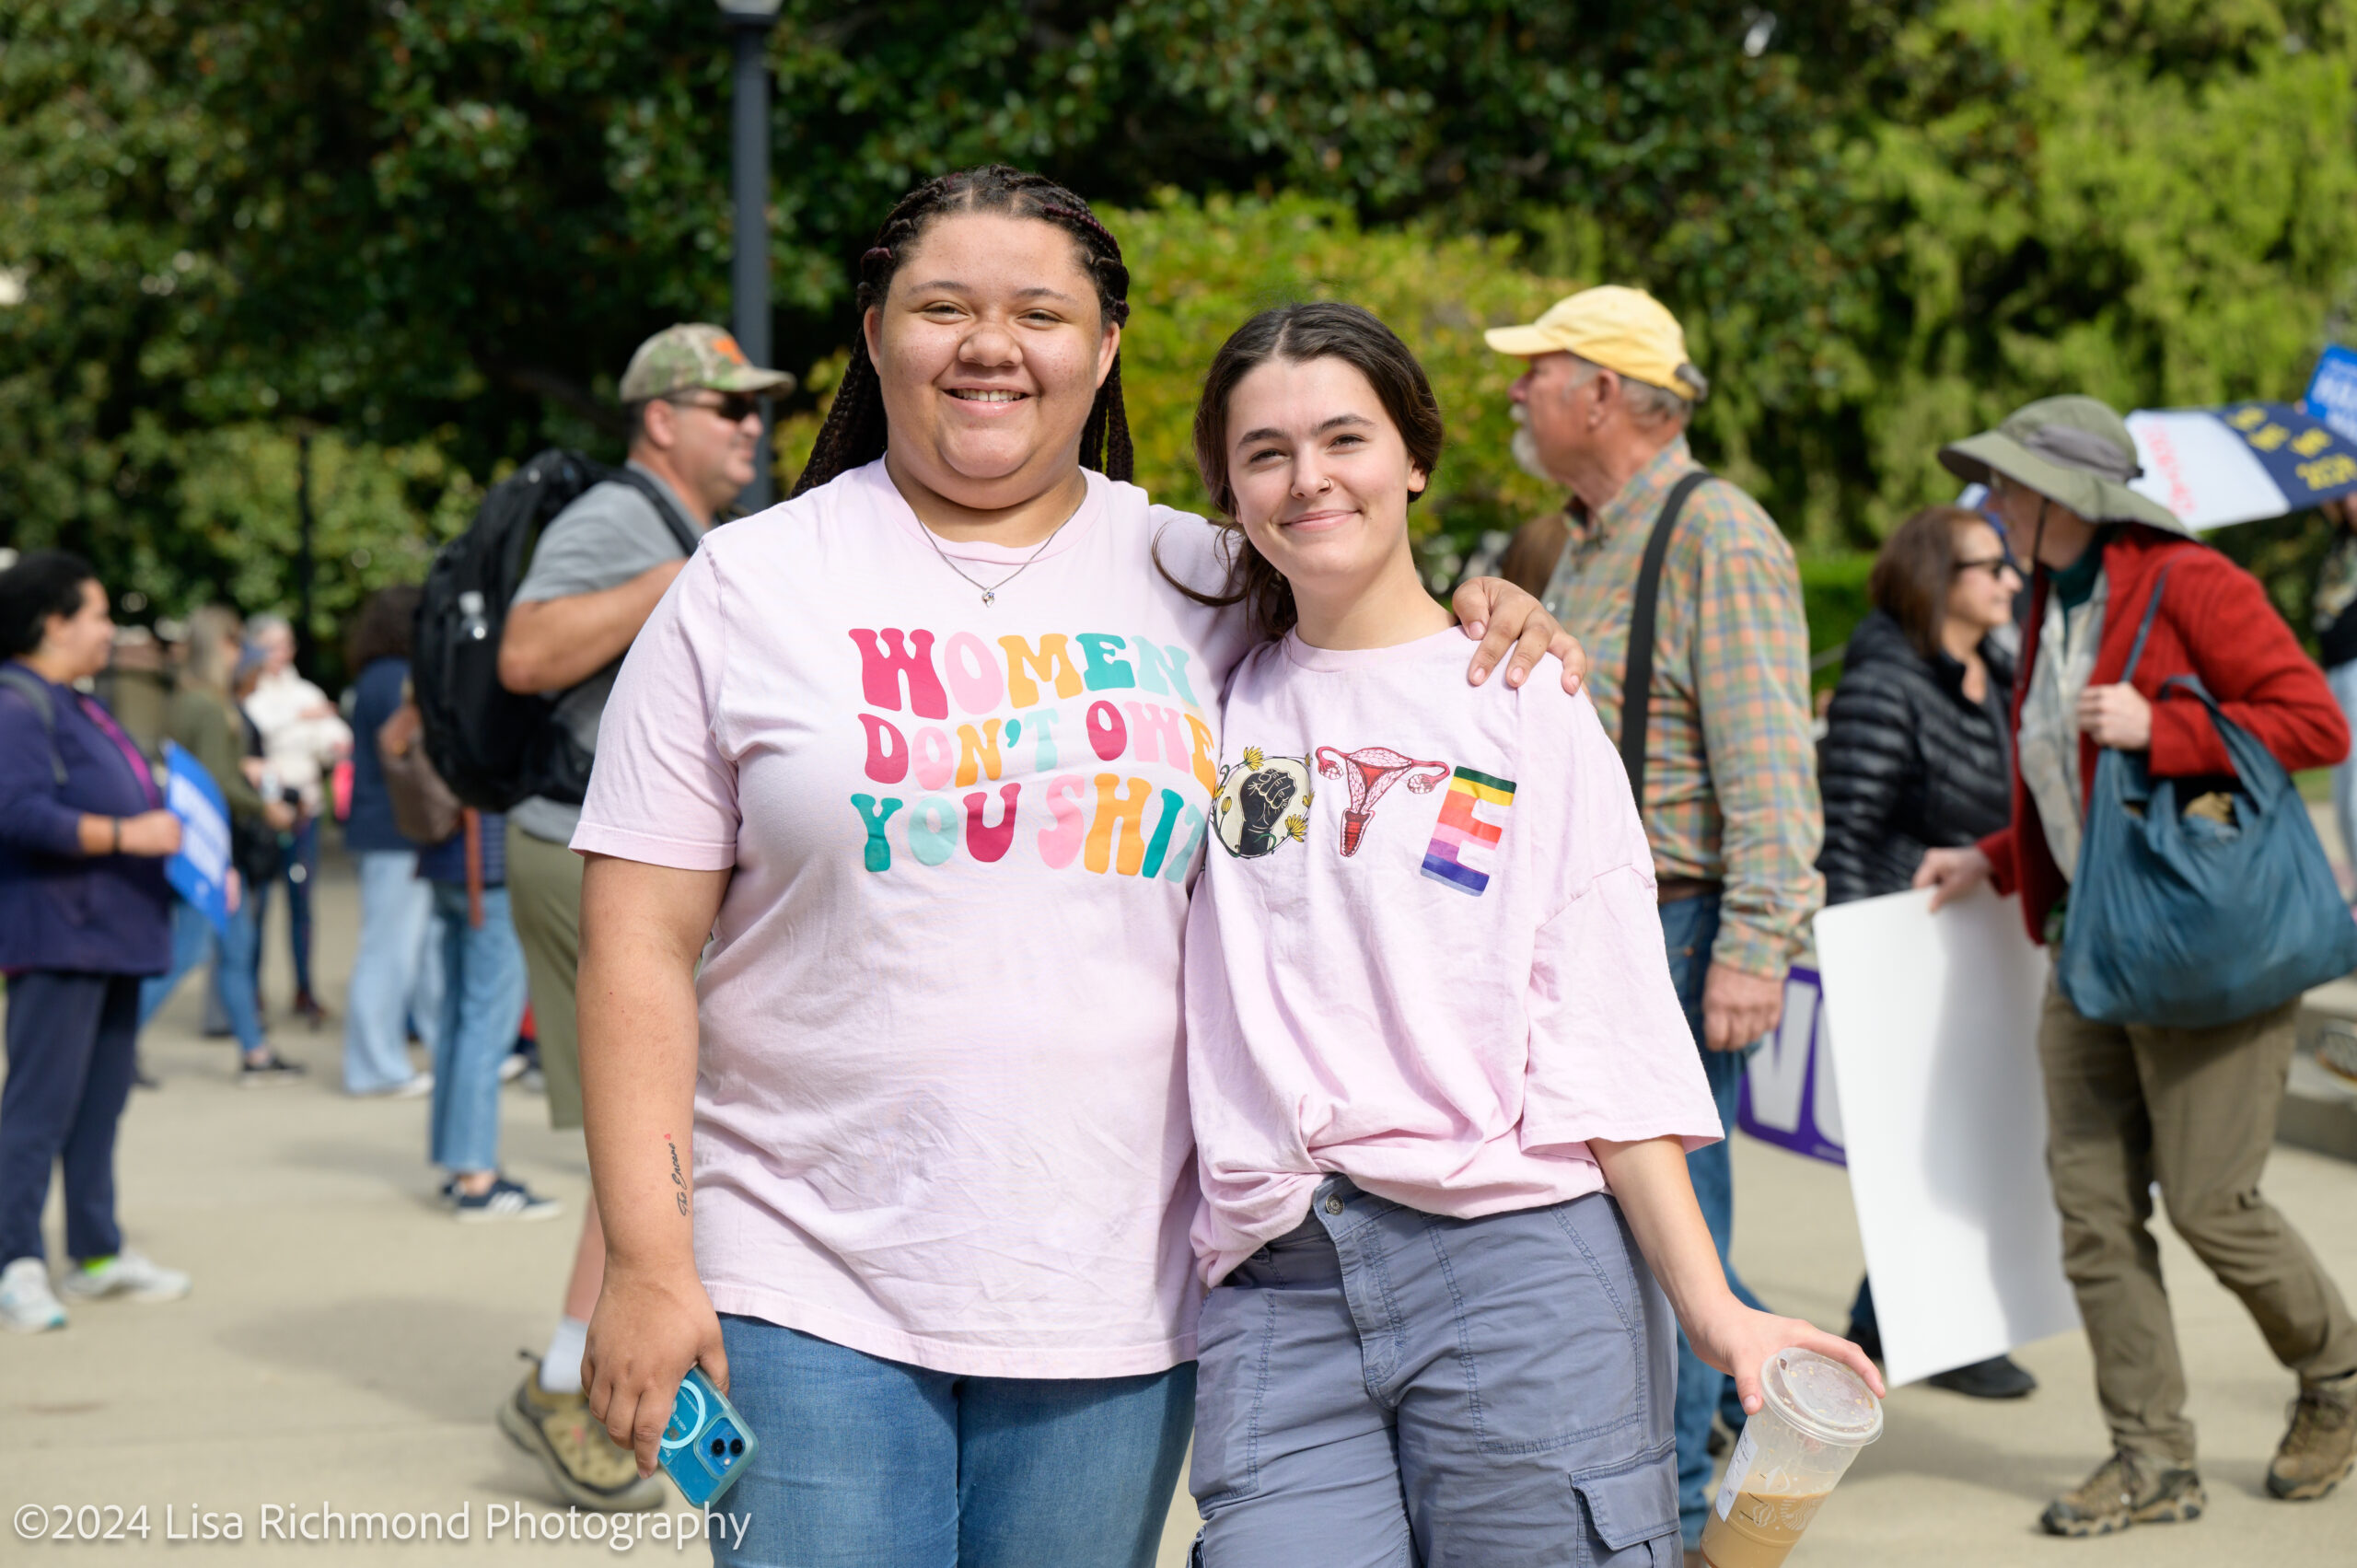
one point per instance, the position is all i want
(889, 845)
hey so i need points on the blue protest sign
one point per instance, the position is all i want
(200, 872)
(2306, 459)
(2332, 390)
(1787, 1097)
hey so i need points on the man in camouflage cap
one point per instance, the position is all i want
(692, 357)
(695, 423)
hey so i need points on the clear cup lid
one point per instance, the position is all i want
(1821, 1398)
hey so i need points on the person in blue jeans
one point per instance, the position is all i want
(396, 906)
(206, 722)
(483, 1006)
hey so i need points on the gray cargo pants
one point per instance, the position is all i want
(1384, 1388)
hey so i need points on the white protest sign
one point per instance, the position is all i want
(1932, 1025)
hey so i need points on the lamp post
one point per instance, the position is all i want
(749, 23)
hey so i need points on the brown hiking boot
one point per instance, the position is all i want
(2321, 1447)
(583, 1463)
(2127, 1489)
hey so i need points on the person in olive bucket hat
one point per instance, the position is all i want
(2127, 1106)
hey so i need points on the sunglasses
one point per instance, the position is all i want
(1997, 566)
(733, 407)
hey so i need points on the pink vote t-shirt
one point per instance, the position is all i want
(1425, 952)
(940, 1096)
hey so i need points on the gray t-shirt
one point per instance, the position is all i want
(610, 535)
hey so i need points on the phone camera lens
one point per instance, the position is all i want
(736, 1445)
(719, 1445)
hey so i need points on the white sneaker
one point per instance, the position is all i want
(126, 1274)
(511, 1066)
(419, 1085)
(27, 1303)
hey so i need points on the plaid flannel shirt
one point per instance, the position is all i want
(1730, 767)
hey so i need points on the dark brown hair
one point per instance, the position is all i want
(385, 626)
(1911, 577)
(855, 432)
(1298, 334)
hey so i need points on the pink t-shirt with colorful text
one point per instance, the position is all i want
(940, 1096)
(1426, 951)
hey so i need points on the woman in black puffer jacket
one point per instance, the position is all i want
(1916, 754)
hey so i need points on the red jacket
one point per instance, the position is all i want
(2215, 622)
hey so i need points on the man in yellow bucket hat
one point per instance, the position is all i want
(1686, 594)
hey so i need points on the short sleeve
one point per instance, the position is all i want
(663, 790)
(608, 536)
(1612, 1055)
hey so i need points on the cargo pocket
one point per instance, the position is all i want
(1630, 1515)
(1232, 1343)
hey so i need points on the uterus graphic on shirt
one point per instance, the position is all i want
(1262, 803)
(1027, 747)
(1370, 772)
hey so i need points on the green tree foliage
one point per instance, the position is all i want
(432, 230)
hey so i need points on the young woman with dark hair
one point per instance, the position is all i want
(1916, 756)
(1442, 1088)
(889, 845)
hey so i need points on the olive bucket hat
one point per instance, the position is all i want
(2074, 450)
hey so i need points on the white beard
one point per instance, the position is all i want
(1525, 449)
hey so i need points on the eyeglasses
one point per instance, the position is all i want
(733, 407)
(1997, 566)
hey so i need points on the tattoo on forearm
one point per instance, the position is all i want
(677, 1180)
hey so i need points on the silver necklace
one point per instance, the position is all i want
(990, 591)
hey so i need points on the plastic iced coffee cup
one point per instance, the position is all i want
(1815, 1415)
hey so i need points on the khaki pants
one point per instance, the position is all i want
(544, 896)
(2194, 1109)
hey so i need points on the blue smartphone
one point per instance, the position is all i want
(707, 1445)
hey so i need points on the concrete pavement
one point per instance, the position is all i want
(346, 1343)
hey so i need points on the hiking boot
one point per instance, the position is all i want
(582, 1462)
(2319, 1451)
(1999, 1378)
(2127, 1489)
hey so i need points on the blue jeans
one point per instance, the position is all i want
(298, 868)
(482, 1006)
(396, 918)
(870, 1463)
(1690, 927)
(234, 952)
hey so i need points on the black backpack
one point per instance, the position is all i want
(494, 747)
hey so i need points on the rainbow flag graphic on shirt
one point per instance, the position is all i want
(1465, 844)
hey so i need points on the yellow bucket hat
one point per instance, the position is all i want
(1625, 330)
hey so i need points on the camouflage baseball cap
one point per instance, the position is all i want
(693, 354)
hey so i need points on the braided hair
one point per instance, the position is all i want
(855, 432)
